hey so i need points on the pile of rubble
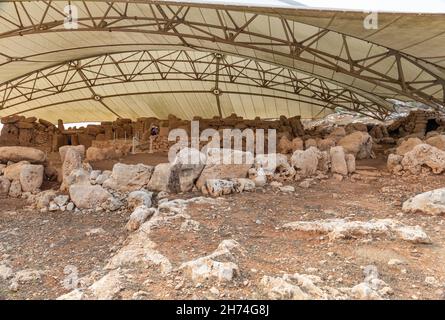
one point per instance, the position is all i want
(413, 156)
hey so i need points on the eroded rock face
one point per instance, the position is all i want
(128, 177)
(431, 202)
(357, 143)
(88, 196)
(16, 154)
(31, 177)
(424, 155)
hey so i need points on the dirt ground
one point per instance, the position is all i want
(50, 242)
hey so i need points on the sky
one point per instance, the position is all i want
(424, 6)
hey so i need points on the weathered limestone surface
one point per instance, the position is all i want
(16, 154)
(225, 164)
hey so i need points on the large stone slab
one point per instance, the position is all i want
(31, 177)
(357, 143)
(12, 172)
(16, 154)
(225, 164)
(63, 150)
(306, 162)
(88, 196)
(129, 177)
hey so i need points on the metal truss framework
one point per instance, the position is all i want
(218, 70)
(178, 21)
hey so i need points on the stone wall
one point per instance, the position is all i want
(19, 130)
(22, 131)
(418, 122)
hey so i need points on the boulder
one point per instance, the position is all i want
(72, 161)
(43, 199)
(338, 161)
(284, 145)
(186, 169)
(350, 163)
(12, 172)
(80, 149)
(358, 143)
(139, 198)
(31, 177)
(297, 144)
(393, 163)
(407, 145)
(16, 154)
(128, 177)
(139, 216)
(337, 134)
(243, 184)
(310, 143)
(104, 176)
(77, 176)
(431, 202)
(271, 163)
(225, 164)
(306, 161)
(161, 178)
(5, 184)
(324, 161)
(88, 196)
(218, 187)
(325, 144)
(424, 155)
(437, 141)
(15, 190)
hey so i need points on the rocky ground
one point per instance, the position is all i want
(234, 247)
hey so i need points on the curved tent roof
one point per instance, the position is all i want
(150, 58)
